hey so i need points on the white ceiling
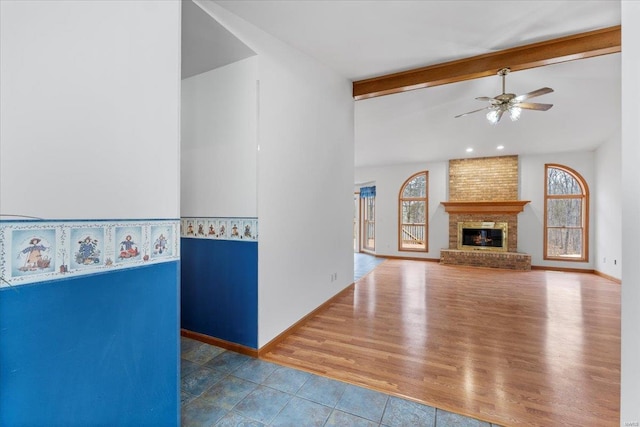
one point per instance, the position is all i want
(361, 39)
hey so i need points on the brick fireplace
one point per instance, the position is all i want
(484, 190)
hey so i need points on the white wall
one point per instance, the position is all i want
(630, 374)
(219, 142)
(607, 195)
(305, 179)
(531, 221)
(388, 181)
(90, 130)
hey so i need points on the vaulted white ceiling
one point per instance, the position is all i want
(362, 39)
(207, 45)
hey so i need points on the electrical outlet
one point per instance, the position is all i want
(615, 262)
(604, 260)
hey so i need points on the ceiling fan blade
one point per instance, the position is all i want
(533, 106)
(538, 92)
(500, 113)
(470, 112)
(484, 98)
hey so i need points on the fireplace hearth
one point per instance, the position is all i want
(484, 234)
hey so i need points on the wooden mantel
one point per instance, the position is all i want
(504, 206)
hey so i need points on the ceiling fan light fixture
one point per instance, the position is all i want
(493, 117)
(514, 113)
(510, 102)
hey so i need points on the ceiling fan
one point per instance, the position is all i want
(510, 102)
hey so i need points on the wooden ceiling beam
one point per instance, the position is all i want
(569, 48)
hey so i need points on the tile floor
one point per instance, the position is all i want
(364, 263)
(223, 388)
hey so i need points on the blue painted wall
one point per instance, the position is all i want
(92, 350)
(219, 289)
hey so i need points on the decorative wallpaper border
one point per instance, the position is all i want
(38, 250)
(220, 228)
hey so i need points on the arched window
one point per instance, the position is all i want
(566, 218)
(412, 213)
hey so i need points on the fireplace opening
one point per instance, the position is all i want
(482, 236)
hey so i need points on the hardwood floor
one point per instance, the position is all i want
(538, 348)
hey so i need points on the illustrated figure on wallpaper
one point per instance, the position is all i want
(88, 252)
(160, 244)
(234, 231)
(128, 248)
(201, 229)
(64, 268)
(34, 257)
(212, 230)
(247, 231)
(190, 229)
(223, 230)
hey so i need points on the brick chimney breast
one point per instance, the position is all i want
(488, 186)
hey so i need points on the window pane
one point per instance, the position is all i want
(413, 212)
(416, 187)
(412, 230)
(369, 227)
(567, 198)
(370, 208)
(561, 182)
(369, 235)
(370, 230)
(564, 242)
(413, 236)
(564, 212)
